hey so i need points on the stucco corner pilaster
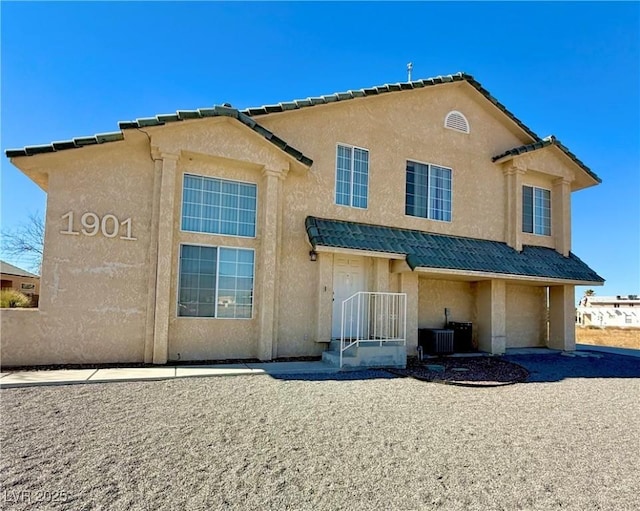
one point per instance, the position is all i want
(271, 230)
(166, 211)
(561, 215)
(513, 172)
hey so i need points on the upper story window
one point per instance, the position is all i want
(536, 210)
(428, 191)
(352, 176)
(215, 282)
(456, 121)
(218, 206)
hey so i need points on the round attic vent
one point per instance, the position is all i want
(456, 121)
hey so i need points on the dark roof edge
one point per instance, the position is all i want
(161, 120)
(381, 89)
(74, 143)
(546, 142)
(313, 231)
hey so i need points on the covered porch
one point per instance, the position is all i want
(511, 298)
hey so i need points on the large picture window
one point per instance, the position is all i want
(536, 210)
(428, 191)
(215, 282)
(218, 206)
(352, 176)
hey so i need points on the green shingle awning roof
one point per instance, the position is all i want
(428, 250)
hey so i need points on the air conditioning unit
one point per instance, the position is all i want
(435, 341)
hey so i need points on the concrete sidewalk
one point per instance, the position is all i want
(73, 376)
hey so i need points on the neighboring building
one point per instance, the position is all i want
(219, 234)
(20, 280)
(604, 311)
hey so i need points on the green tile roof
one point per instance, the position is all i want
(389, 87)
(160, 120)
(428, 250)
(245, 116)
(546, 142)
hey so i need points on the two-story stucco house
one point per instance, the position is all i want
(268, 232)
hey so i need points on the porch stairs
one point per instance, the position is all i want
(392, 354)
(373, 332)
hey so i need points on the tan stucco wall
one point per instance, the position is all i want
(526, 315)
(411, 124)
(101, 299)
(93, 288)
(435, 295)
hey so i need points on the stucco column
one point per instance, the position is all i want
(325, 297)
(166, 208)
(561, 215)
(409, 285)
(380, 275)
(152, 259)
(562, 327)
(491, 305)
(269, 262)
(513, 219)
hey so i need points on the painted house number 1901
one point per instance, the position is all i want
(109, 225)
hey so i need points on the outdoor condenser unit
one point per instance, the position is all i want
(435, 341)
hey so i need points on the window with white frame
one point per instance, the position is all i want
(352, 176)
(218, 206)
(428, 191)
(536, 210)
(215, 282)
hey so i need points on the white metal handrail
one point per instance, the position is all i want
(373, 317)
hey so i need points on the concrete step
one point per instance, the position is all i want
(368, 355)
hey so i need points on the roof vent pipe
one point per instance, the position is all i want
(409, 69)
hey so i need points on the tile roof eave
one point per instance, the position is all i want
(541, 144)
(394, 87)
(161, 120)
(452, 253)
(75, 143)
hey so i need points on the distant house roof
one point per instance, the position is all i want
(10, 269)
(620, 299)
(428, 250)
(546, 142)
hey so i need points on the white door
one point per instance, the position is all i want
(348, 279)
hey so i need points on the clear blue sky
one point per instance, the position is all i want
(568, 69)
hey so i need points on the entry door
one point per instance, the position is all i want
(348, 279)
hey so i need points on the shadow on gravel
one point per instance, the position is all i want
(558, 367)
(495, 371)
(369, 374)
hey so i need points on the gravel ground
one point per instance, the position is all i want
(471, 371)
(363, 441)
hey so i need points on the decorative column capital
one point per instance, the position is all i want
(280, 174)
(562, 181)
(514, 168)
